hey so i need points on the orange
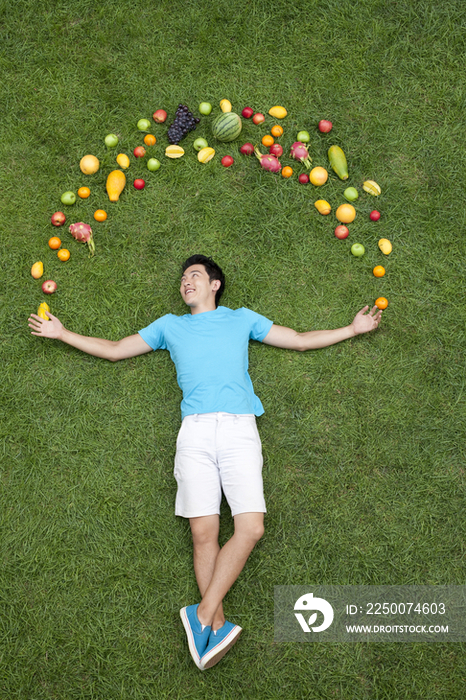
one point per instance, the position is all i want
(318, 176)
(54, 243)
(346, 213)
(63, 254)
(277, 130)
(84, 192)
(100, 215)
(378, 271)
(89, 165)
(287, 171)
(381, 303)
(150, 140)
(267, 140)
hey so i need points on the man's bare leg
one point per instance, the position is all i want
(224, 567)
(205, 551)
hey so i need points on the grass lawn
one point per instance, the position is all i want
(364, 442)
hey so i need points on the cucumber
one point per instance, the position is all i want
(338, 162)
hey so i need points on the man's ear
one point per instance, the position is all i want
(216, 285)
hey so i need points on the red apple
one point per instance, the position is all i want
(139, 183)
(247, 149)
(159, 116)
(247, 112)
(49, 287)
(276, 150)
(227, 161)
(258, 118)
(325, 126)
(58, 219)
(139, 152)
(342, 232)
(303, 178)
(374, 215)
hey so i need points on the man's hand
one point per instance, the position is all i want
(46, 329)
(282, 337)
(112, 350)
(364, 322)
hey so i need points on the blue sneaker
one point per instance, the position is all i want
(220, 642)
(198, 638)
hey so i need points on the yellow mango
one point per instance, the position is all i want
(42, 309)
(225, 106)
(323, 207)
(37, 270)
(385, 246)
(122, 160)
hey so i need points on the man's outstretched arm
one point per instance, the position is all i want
(99, 347)
(282, 337)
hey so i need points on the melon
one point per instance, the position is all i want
(227, 127)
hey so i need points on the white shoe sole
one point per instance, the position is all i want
(218, 652)
(189, 635)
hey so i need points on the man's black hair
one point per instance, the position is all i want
(212, 269)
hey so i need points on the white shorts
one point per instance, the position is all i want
(215, 452)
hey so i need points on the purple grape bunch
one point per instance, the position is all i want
(183, 123)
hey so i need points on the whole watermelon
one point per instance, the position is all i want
(227, 127)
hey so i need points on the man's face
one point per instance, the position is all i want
(196, 288)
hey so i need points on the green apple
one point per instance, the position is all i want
(205, 108)
(351, 194)
(357, 249)
(199, 144)
(68, 198)
(111, 140)
(143, 125)
(153, 164)
(303, 136)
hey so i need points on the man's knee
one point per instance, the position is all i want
(204, 530)
(250, 525)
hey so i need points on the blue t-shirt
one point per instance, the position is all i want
(210, 352)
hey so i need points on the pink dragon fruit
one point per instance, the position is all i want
(83, 233)
(268, 162)
(300, 152)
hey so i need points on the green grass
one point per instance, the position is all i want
(363, 442)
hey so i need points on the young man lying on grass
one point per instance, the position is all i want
(218, 446)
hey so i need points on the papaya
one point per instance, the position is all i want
(116, 182)
(338, 162)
